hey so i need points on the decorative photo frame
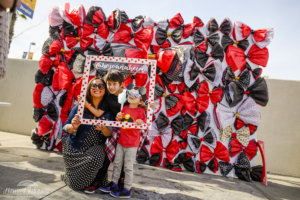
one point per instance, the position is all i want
(107, 61)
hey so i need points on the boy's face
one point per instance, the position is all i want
(134, 97)
(113, 87)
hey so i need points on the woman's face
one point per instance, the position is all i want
(97, 89)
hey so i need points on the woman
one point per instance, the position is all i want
(84, 145)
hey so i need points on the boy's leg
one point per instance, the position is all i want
(130, 155)
(122, 178)
(118, 162)
(102, 173)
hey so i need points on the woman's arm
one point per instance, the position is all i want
(68, 127)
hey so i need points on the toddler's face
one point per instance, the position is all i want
(113, 87)
(134, 97)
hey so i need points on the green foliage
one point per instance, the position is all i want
(21, 15)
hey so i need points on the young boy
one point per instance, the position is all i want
(114, 81)
(129, 140)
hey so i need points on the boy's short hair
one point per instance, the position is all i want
(115, 76)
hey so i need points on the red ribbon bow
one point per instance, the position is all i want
(220, 152)
(240, 123)
(188, 29)
(140, 79)
(190, 103)
(72, 40)
(261, 37)
(135, 53)
(102, 30)
(76, 16)
(202, 101)
(64, 113)
(45, 64)
(176, 21)
(56, 48)
(171, 150)
(172, 87)
(45, 125)
(142, 38)
(237, 147)
(155, 48)
(62, 78)
(236, 58)
(165, 59)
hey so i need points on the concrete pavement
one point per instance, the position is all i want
(28, 173)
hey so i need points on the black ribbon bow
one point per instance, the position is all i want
(258, 91)
(202, 57)
(200, 120)
(225, 27)
(38, 113)
(45, 79)
(106, 51)
(142, 155)
(137, 23)
(199, 38)
(187, 162)
(176, 124)
(242, 167)
(226, 41)
(52, 111)
(159, 91)
(243, 80)
(162, 35)
(209, 72)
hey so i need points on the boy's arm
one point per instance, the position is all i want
(96, 112)
(102, 108)
(120, 115)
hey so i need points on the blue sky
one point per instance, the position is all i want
(282, 15)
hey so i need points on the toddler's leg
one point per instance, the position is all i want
(130, 156)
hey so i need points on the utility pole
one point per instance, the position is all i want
(31, 43)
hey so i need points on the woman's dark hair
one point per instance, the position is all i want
(88, 92)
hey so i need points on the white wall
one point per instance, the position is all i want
(17, 88)
(279, 129)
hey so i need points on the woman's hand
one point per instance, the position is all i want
(139, 122)
(105, 131)
(119, 116)
(75, 122)
(79, 98)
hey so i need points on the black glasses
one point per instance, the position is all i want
(100, 86)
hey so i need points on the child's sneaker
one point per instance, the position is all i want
(109, 187)
(121, 194)
(92, 188)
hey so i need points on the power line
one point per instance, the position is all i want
(29, 28)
